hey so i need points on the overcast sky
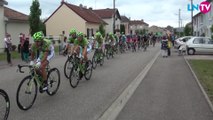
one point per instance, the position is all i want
(154, 12)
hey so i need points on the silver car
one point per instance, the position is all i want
(181, 41)
(199, 45)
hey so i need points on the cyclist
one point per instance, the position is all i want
(71, 41)
(98, 41)
(124, 41)
(80, 45)
(45, 49)
(111, 40)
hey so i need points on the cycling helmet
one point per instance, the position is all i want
(98, 34)
(72, 31)
(80, 34)
(38, 36)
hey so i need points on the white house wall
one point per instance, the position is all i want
(109, 27)
(2, 32)
(15, 28)
(90, 26)
(63, 20)
(202, 24)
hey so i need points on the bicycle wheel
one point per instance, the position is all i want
(88, 72)
(107, 54)
(74, 77)
(26, 93)
(67, 67)
(4, 105)
(94, 61)
(53, 78)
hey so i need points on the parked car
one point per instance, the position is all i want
(181, 41)
(199, 44)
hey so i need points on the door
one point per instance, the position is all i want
(208, 45)
(198, 44)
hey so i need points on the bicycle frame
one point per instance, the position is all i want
(34, 75)
(79, 63)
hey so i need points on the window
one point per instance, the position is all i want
(209, 41)
(201, 19)
(88, 32)
(198, 41)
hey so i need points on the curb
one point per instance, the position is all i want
(200, 86)
(116, 107)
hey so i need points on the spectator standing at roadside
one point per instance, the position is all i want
(164, 46)
(169, 44)
(22, 39)
(8, 47)
(26, 49)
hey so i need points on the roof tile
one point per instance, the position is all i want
(14, 15)
(86, 14)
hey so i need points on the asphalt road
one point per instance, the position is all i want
(86, 102)
(168, 92)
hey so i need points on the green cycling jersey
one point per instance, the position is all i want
(72, 40)
(45, 47)
(82, 43)
(99, 41)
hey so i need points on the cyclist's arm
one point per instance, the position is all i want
(33, 49)
(45, 55)
(32, 55)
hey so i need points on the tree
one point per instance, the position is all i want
(102, 30)
(34, 18)
(122, 28)
(187, 30)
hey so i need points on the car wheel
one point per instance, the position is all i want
(191, 51)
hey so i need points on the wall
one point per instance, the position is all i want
(15, 28)
(2, 30)
(90, 26)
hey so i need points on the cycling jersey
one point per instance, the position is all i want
(99, 42)
(72, 40)
(82, 43)
(46, 46)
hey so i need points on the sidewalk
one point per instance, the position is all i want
(168, 92)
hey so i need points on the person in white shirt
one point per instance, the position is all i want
(8, 45)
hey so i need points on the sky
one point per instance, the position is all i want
(154, 12)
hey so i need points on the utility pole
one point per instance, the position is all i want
(192, 16)
(114, 16)
(179, 21)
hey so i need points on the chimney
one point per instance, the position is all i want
(85, 7)
(142, 20)
(62, 1)
(90, 8)
(81, 6)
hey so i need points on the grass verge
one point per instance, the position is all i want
(204, 72)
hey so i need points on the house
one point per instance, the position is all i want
(107, 16)
(12, 22)
(202, 23)
(68, 16)
(136, 25)
(155, 29)
(2, 25)
(16, 23)
(125, 21)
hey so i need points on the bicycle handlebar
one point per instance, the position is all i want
(20, 67)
